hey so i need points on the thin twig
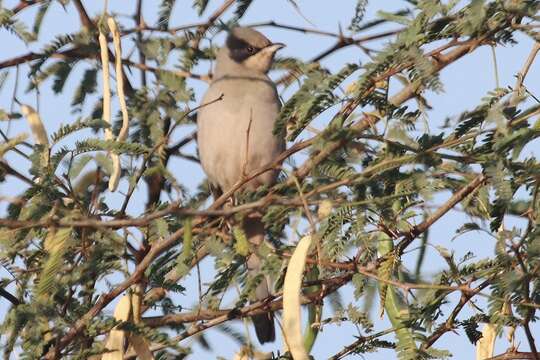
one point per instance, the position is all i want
(448, 325)
(219, 316)
(523, 73)
(361, 340)
(410, 235)
(201, 30)
(83, 15)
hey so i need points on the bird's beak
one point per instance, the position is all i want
(262, 60)
(272, 48)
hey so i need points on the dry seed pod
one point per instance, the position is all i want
(325, 209)
(36, 125)
(104, 50)
(115, 342)
(291, 300)
(486, 344)
(122, 136)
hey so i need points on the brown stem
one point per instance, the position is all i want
(448, 325)
(8, 296)
(83, 15)
(215, 318)
(24, 4)
(447, 206)
(201, 30)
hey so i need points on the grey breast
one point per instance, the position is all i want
(236, 134)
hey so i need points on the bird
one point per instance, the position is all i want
(235, 135)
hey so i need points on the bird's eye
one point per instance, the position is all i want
(250, 49)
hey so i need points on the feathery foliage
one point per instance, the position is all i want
(422, 207)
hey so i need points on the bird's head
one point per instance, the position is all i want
(251, 49)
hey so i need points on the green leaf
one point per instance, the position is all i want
(111, 145)
(359, 13)
(314, 97)
(78, 165)
(38, 21)
(241, 245)
(395, 306)
(56, 245)
(86, 87)
(165, 12)
(59, 42)
(9, 22)
(200, 6)
(241, 8)
(175, 85)
(69, 129)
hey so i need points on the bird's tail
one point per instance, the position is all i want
(264, 323)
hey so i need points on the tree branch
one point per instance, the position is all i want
(83, 15)
(7, 295)
(447, 206)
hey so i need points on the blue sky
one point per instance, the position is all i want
(466, 82)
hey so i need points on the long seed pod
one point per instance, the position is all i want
(104, 51)
(115, 342)
(122, 136)
(138, 342)
(486, 344)
(36, 125)
(38, 131)
(291, 300)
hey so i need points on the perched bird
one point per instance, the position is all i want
(235, 134)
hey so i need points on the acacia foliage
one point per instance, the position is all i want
(373, 174)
